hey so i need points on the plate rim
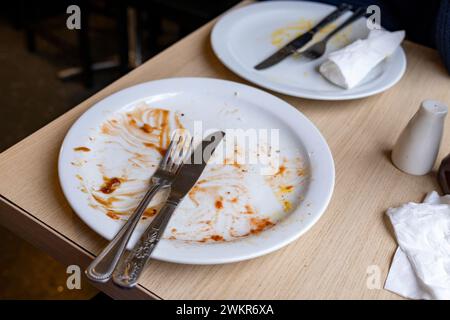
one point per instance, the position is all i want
(328, 164)
(242, 72)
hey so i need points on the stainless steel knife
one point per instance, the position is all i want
(301, 40)
(131, 264)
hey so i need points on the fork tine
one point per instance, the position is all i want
(164, 160)
(181, 155)
(172, 156)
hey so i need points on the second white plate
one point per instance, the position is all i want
(246, 36)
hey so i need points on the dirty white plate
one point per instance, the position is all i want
(237, 210)
(245, 36)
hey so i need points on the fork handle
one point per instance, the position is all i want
(361, 11)
(132, 264)
(101, 269)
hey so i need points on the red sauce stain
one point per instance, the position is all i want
(258, 225)
(281, 170)
(82, 149)
(147, 128)
(216, 237)
(155, 124)
(219, 203)
(110, 185)
(150, 212)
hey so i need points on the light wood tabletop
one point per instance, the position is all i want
(340, 257)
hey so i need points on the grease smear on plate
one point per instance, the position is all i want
(115, 165)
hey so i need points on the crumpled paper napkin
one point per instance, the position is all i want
(421, 265)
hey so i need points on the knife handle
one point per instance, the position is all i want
(132, 264)
(355, 16)
(331, 17)
(101, 269)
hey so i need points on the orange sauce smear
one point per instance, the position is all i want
(110, 185)
(258, 225)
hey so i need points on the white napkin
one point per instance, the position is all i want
(348, 66)
(421, 265)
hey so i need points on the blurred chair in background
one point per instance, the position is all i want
(138, 28)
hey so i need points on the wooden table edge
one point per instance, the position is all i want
(66, 251)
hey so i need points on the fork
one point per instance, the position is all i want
(318, 49)
(101, 269)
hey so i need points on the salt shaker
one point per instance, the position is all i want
(418, 145)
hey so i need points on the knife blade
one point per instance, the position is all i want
(131, 265)
(192, 169)
(299, 42)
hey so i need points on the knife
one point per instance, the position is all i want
(131, 265)
(301, 40)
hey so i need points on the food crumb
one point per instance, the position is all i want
(219, 203)
(287, 205)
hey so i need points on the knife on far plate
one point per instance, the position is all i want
(131, 264)
(301, 40)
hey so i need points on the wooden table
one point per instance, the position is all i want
(332, 260)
